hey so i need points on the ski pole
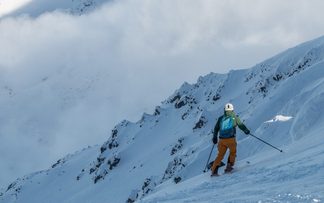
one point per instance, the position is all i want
(266, 143)
(209, 158)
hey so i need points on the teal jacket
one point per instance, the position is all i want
(237, 122)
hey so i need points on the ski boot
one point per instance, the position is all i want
(229, 168)
(215, 172)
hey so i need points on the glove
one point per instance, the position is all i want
(215, 140)
(247, 131)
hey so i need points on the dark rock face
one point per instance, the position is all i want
(177, 146)
(177, 179)
(173, 167)
(113, 162)
(202, 121)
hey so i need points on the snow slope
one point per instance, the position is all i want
(35, 8)
(161, 157)
(295, 176)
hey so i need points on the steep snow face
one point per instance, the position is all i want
(37, 7)
(292, 176)
(161, 157)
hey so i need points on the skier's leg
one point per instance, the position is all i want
(232, 147)
(221, 153)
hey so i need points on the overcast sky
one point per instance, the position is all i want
(122, 60)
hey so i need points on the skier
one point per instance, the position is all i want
(226, 126)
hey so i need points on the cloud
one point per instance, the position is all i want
(66, 80)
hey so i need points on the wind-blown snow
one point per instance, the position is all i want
(279, 118)
(161, 157)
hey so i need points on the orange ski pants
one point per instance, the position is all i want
(223, 144)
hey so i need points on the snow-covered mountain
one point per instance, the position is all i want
(161, 157)
(37, 7)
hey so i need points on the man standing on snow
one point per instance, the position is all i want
(226, 126)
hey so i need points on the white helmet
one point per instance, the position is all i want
(229, 107)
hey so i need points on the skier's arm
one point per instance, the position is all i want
(242, 126)
(216, 130)
(217, 127)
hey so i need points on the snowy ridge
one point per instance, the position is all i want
(38, 7)
(161, 157)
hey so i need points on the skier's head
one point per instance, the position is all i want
(229, 107)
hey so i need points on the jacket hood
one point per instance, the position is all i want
(229, 113)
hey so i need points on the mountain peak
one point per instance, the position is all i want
(36, 8)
